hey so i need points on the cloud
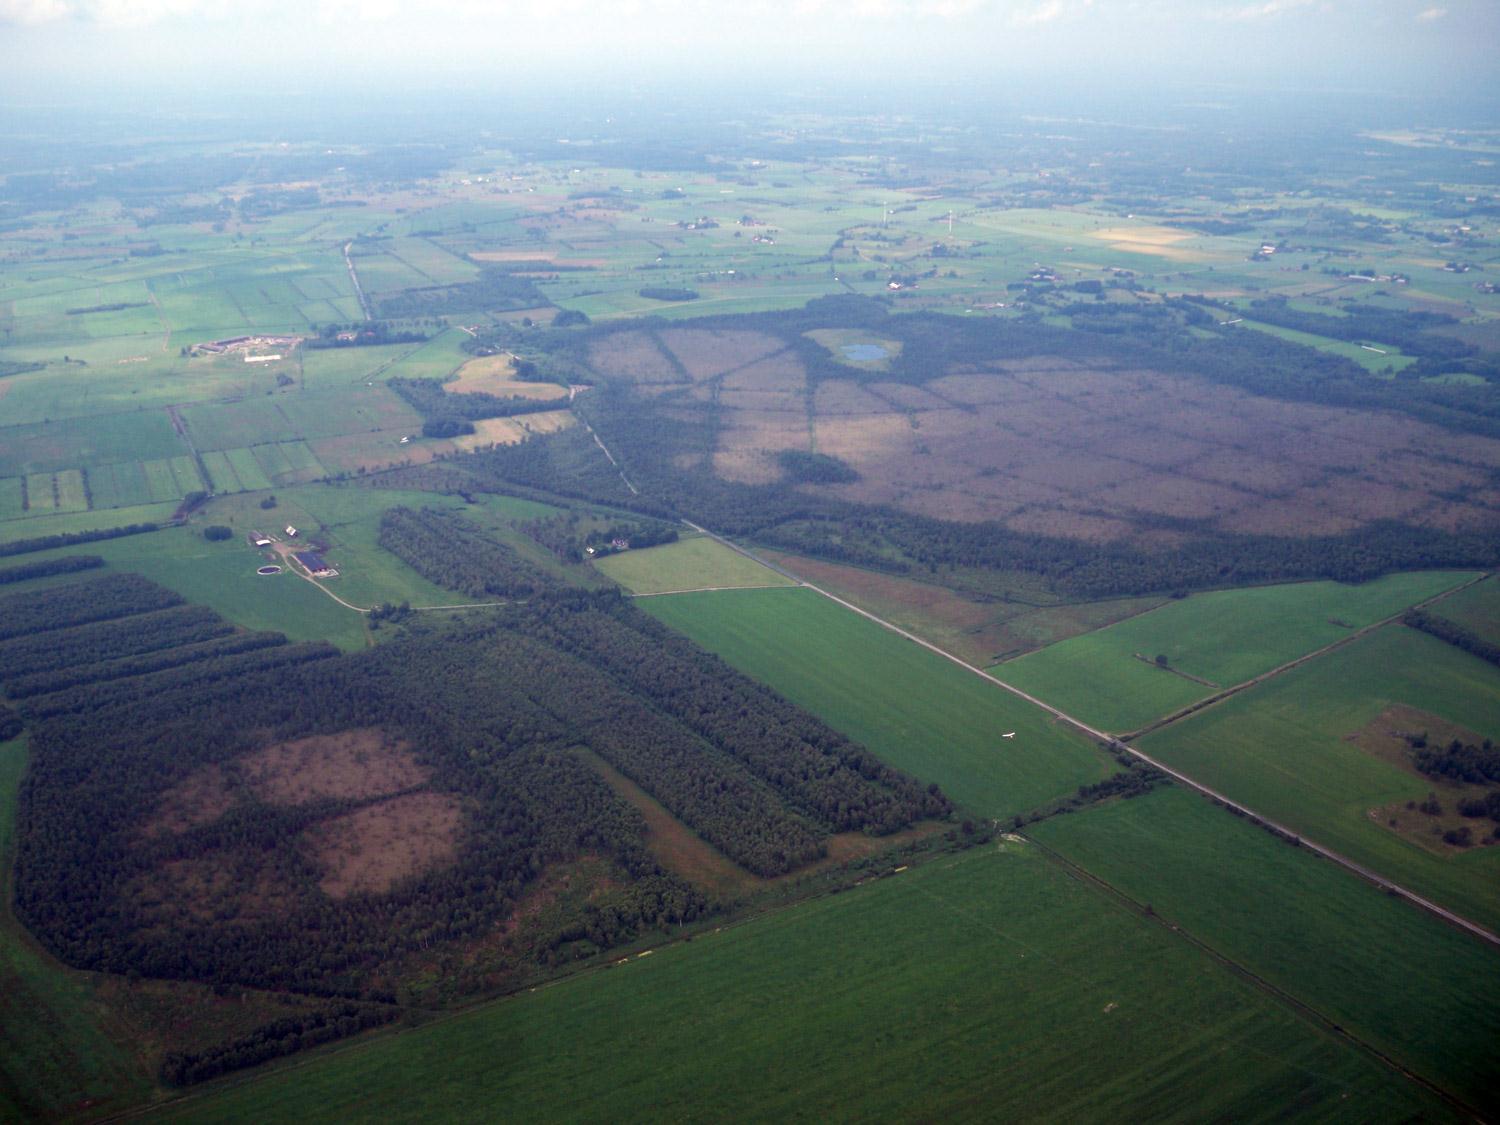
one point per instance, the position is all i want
(1267, 9)
(116, 13)
(1427, 15)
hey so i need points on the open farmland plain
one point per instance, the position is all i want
(1058, 403)
(1394, 977)
(1294, 748)
(912, 707)
(894, 1000)
(1112, 679)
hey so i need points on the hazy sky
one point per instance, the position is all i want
(63, 50)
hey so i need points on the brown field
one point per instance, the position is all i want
(374, 848)
(512, 431)
(633, 356)
(705, 353)
(496, 375)
(354, 764)
(1083, 450)
(980, 630)
(1383, 738)
(201, 797)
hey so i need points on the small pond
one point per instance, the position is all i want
(864, 353)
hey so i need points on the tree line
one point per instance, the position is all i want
(449, 550)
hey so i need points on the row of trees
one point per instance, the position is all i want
(56, 679)
(101, 599)
(445, 548)
(1453, 633)
(63, 564)
(109, 640)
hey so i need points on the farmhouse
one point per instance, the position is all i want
(315, 564)
(291, 532)
(245, 343)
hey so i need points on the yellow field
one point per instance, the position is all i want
(513, 431)
(496, 375)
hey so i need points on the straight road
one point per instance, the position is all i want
(1119, 744)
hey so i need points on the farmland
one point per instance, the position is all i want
(866, 1004)
(1393, 976)
(1126, 411)
(1111, 677)
(913, 708)
(1286, 748)
(691, 564)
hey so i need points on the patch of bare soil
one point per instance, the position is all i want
(354, 764)
(376, 847)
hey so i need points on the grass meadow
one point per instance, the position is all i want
(1283, 749)
(1388, 972)
(1224, 637)
(914, 709)
(1476, 609)
(987, 986)
(689, 564)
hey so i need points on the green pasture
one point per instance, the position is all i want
(989, 986)
(1282, 749)
(222, 576)
(1370, 361)
(1224, 637)
(46, 447)
(298, 416)
(689, 564)
(914, 709)
(59, 1050)
(1390, 973)
(66, 522)
(1476, 609)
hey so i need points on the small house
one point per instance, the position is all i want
(291, 532)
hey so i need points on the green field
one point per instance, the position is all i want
(939, 994)
(62, 523)
(1476, 609)
(689, 564)
(1224, 637)
(55, 1053)
(914, 709)
(1391, 974)
(1282, 749)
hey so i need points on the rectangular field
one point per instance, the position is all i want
(911, 707)
(1476, 609)
(690, 564)
(986, 986)
(1393, 975)
(1110, 678)
(1285, 749)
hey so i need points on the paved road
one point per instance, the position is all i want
(1119, 744)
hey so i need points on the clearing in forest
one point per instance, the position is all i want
(696, 563)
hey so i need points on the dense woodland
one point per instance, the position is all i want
(451, 551)
(495, 708)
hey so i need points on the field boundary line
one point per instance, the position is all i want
(1254, 681)
(717, 589)
(1298, 1006)
(1199, 787)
